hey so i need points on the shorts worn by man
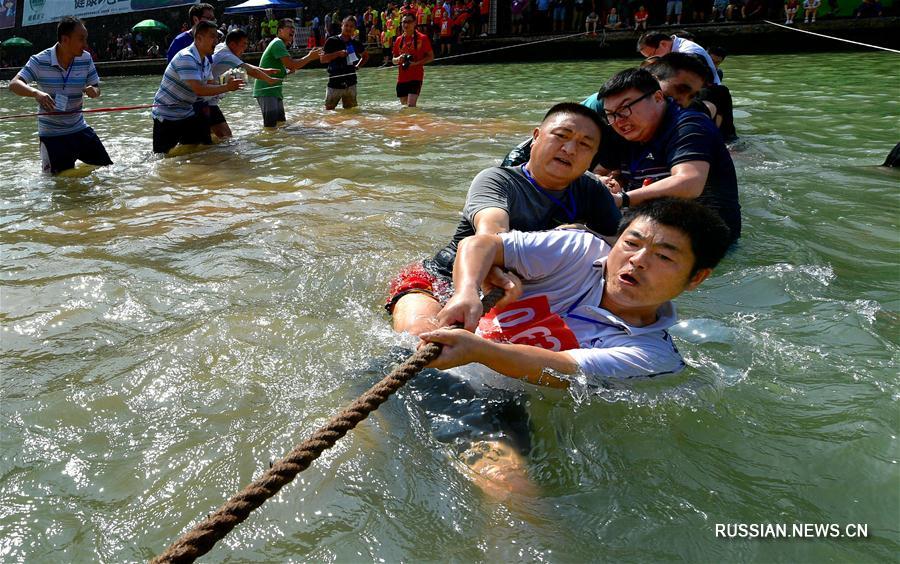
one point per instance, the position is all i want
(176, 118)
(668, 150)
(276, 58)
(343, 54)
(550, 190)
(64, 73)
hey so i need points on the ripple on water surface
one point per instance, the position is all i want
(171, 325)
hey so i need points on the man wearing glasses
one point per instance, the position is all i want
(669, 151)
(412, 51)
(198, 13)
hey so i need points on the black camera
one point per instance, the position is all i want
(407, 60)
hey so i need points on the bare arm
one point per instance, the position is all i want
(261, 74)
(474, 259)
(687, 181)
(294, 64)
(516, 361)
(490, 221)
(19, 87)
(325, 59)
(202, 89)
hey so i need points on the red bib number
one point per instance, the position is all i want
(528, 322)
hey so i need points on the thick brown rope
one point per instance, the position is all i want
(200, 540)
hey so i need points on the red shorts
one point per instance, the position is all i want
(416, 279)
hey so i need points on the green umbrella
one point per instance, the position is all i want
(16, 42)
(147, 26)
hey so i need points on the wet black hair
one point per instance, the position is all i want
(709, 235)
(670, 64)
(283, 23)
(351, 19)
(204, 27)
(197, 10)
(652, 39)
(66, 26)
(719, 51)
(639, 79)
(234, 36)
(576, 109)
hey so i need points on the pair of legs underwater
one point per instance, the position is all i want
(497, 465)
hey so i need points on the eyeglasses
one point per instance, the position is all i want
(624, 111)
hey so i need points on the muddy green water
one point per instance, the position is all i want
(171, 325)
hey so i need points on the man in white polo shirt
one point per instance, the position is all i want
(175, 117)
(657, 44)
(64, 73)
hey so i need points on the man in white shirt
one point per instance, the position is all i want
(656, 44)
(585, 309)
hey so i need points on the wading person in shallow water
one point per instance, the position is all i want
(64, 73)
(585, 307)
(550, 190)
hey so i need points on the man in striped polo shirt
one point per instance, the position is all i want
(64, 73)
(175, 119)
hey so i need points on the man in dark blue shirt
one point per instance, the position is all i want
(197, 13)
(669, 150)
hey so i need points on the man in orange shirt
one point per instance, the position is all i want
(412, 51)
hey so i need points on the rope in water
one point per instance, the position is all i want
(204, 535)
(832, 37)
(143, 107)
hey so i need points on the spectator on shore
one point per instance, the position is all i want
(198, 13)
(869, 9)
(640, 18)
(590, 23)
(612, 20)
(734, 10)
(673, 7)
(559, 15)
(518, 11)
(577, 14)
(810, 10)
(752, 10)
(541, 16)
(718, 10)
(790, 10)
(658, 44)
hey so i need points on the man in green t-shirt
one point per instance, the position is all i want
(276, 56)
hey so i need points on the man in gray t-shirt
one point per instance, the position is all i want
(550, 190)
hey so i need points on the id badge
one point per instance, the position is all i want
(352, 58)
(61, 102)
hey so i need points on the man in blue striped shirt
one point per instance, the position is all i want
(64, 73)
(175, 118)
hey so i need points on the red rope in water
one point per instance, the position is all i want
(93, 111)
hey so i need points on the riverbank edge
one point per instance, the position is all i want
(737, 39)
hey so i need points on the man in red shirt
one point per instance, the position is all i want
(412, 51)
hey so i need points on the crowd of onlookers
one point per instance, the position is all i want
(448, 22)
